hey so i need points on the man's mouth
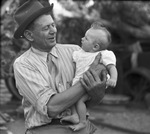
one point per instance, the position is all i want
(51, 38)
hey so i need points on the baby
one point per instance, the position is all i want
(96, 40)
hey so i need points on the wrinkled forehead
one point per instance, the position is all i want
(45, 18)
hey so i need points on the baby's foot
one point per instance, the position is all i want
(79, 126)
(72, 118)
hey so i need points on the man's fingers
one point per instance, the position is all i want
(84, 84)
(96, 61)
(95, 76)
(86, 78)
(90, 76)
(104, 75)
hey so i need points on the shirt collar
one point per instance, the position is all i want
(43, 55)
(54, 51)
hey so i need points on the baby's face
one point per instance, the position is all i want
(88, 40)
(92, 36)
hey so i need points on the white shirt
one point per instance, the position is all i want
(37, 85)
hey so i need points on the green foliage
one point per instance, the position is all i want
(10, 47)
(126, 20)
(135, 13)
(72, 30)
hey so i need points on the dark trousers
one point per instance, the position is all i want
(55, 127)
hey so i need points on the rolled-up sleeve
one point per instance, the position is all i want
(42, 101)
(33, 86)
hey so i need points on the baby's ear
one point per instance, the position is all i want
(96, 47)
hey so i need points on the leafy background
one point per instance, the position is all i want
(128, 22)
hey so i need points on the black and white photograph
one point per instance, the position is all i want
(75, 67)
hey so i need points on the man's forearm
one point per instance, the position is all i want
(64, 100)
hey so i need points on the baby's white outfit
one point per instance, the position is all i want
(84, 59)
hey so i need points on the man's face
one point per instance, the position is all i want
(44, 33)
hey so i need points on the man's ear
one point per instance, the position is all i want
(29, 35)
(96, 47)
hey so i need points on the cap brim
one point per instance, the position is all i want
(19, 32)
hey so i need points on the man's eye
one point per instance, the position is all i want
(53, 25)
(45, 28)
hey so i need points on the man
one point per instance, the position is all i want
(45, 71)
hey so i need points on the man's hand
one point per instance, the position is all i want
(97, 65)
(94, 80)
(94, 86)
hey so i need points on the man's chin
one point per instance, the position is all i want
(52, 43)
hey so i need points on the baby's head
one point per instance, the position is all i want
(96, 38)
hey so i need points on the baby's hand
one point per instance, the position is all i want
(111, 82)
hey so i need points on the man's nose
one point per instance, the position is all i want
(52, 30)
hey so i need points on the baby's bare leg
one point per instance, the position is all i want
(74, 118)
(81, 109)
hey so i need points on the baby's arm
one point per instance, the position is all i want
(113, 75)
